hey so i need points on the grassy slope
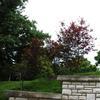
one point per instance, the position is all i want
(38, 85)
(97, 73)
(42, 85)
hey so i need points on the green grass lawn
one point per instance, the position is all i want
(38, 85)
(97, 73)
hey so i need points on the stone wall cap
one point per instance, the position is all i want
(27, 94)
(70, 78)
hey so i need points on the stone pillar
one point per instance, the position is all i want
(75, 87)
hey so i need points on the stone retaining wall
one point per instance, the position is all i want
(25, 95)
(73, 88)
(80, 87)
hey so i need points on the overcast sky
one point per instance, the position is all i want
(49, 14)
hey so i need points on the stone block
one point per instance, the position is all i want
(41, 99)
(74, 91)
(96, 90)
(71, 86)
(79, 86)
(92, 83)
(66, 83)
(76, 83)
(64, 86)
(21, 99)
(87, 86)
(76, 94)
(98, 84)
(82, 97)
(83, 94)
(64, 97)
(98, 95)
(66, 91)
(90, 97)
(97, 99)
(11, 98)
(84, 91)
(33, 99)
(85, 83)
(73, 98)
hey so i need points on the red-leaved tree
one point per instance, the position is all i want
(74, 41)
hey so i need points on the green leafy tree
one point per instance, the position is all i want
(97, 58)
(86, 66)
(16, 33)
(46, 67)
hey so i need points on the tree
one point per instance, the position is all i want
(97, 58)
(8, 6)
(9, 22)
(86, 66)
(74, 41)
(46, 67)
(35, 55)
(16, 33)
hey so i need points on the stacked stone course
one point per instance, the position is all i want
(80, 87)
(25, 95)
